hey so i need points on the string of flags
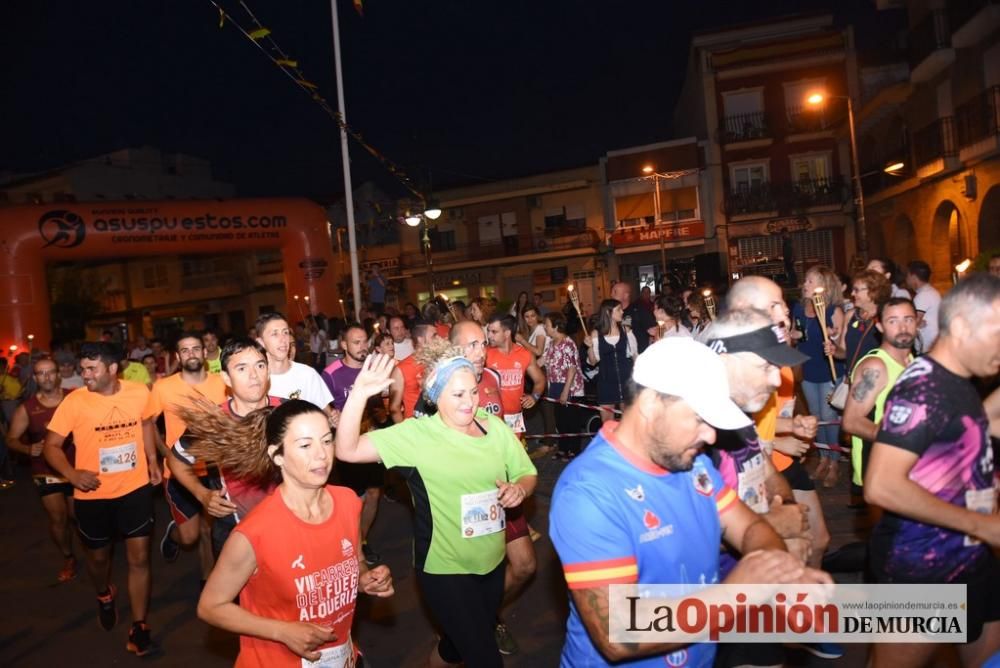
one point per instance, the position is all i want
(263, 39)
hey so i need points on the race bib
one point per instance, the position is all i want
(751, 485)
(118, 459)
(341, 656)
(979, 501)
(482, 514)
(515, 422)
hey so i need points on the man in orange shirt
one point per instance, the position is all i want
(115, 465)
(408, 375)
(187, 483)
(512, 361)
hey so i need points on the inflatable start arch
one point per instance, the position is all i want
(30, 236)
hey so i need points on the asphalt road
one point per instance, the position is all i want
(47, 624)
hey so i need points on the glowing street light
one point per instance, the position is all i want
(817, 98)
(895, 168)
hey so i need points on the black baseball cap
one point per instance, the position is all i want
(770, 342)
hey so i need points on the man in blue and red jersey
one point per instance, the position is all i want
(643, 505)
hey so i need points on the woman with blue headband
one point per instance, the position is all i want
(463, 467)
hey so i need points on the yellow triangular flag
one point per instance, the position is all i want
(259, 33)
(287, 63)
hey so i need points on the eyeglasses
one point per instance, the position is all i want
(859, 288)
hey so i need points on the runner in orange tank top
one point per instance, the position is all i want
(294, 561)
(513, 362)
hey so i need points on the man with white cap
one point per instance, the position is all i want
(643, 505)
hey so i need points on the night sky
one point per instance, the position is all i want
(457, 91)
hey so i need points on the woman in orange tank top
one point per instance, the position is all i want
(294, 560)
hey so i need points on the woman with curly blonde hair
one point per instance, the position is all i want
(464, 467)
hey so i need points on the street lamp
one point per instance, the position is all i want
(817, 99)
(651, 173)
(431, 212)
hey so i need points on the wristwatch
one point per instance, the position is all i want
(536, 396)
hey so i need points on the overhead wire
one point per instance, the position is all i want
(291, 69)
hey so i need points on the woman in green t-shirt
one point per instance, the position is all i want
(463, 467)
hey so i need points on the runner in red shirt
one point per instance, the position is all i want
(294, 561)
(408, 376)
(245, 373)
(513, 361)
(26, 435)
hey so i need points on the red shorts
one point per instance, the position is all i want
(517, 523)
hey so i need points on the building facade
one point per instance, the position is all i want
(779, 167)
(676, 244)
(539, 233)
(152, 296)
(932, 113)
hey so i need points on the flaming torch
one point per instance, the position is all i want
(819, 303)
(575, 298)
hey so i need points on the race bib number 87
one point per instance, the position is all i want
(482, 514)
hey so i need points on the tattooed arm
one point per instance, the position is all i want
(869, 380)
(593, 607)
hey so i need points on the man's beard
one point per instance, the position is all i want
(359, 358)
(193, 365)
(903, 342)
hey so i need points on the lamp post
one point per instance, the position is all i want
(817, 99)
(431, 212)
(651, 173)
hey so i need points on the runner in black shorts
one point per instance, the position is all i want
(26, 435)
(931, 471)
(365, 479)
(115, 464)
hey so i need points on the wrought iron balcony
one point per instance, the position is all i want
(979, 118)
(743, 199)
(935, 141)
(786, 197)
(815, 118)
(744, 127)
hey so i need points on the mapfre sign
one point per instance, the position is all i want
(637, 236)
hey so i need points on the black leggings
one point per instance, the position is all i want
(465, 607)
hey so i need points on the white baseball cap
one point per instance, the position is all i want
(684, 368)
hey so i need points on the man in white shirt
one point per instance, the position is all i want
(141, 349)
(927, 300)
(289, 379)
(402, 344)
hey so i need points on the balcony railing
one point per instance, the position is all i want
(935, 141)
(744, 127)
(979, 118)
(506, 247)
(789, 196)
(928, 36)
(810, 118)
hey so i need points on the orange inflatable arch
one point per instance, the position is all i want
(30, 236)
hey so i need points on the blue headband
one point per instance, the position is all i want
(443, 373)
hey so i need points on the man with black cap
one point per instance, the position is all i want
(753, 350)
(643, 505)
